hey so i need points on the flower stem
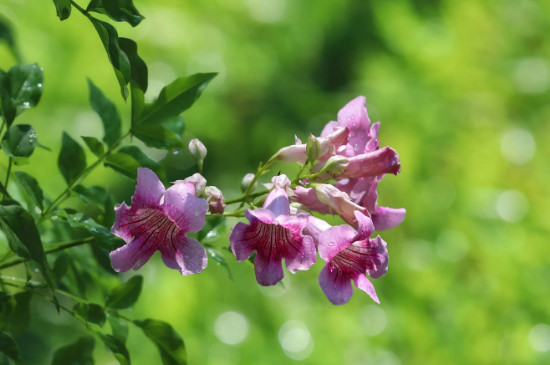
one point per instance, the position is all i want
(10, 163)
(60, 247)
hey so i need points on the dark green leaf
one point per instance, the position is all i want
(219, 258)
(76, 353)
(101, 256)
(157, 136)
(101, 233)
(119, 10)
(169, 344)
(119, 60)
(125, 295)
(9, 348)
(21, 315)
(119, 328)
(72, 159)
(19, 141)
(117, 347)
(177, 97)
(139, 156)
(94, 145)
(138, 68)
(7, 36)
(20, 89)
(30, 188)
(107, 112)
(63, 8)
(90, 313)
(7, 307)
(123, 163)
(60, 266)
(214, 228)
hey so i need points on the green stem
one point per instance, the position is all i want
(67, 192)
(60, 247)
(245, 197)
(10, 163)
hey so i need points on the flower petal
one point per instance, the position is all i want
(184, 254)
(382, 161)
(364, 226)
(361, 282)
(354, 116)
(242, 240)
(377, 265)
(301, 257)
(336, 287)
(334, 240)
(277, 202)
(268, 272)
(386, 218)
(119, 229)
(186, 210)
(149, 189)
(132, 255)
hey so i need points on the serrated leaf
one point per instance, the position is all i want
(90, 312)
(76, 353)
(20, 89)
(169, 344)
(119, 60)
(177, 97)
(94, 145)
(117, 348)
(119, 328)
(9, 347)
(125, 295)
(108, 113)
(30, 188)
(119, 10)
(71, 160)
(157, 136)
(19, 141)
(63, 8)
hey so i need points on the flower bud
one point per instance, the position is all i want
(198, 151)
(313, 148)
(214, 197)
(335, 164)
(198, 181)
(246, 181)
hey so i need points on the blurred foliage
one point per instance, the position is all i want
(461, 89)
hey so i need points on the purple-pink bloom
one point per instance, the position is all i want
(274, 234)
(349, 254)
(159, 219)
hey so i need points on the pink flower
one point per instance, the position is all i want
(274, 234)
(159, 219)
(349, 254)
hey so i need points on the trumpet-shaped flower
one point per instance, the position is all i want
(349, 254)
(274, 234)
(159, 219)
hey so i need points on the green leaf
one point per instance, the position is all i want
(90, 312)
(60, 266)
(19, 319)
(117, 347)
(169, 344)
(92, 195)
(63, 8)
(165, 136)
(101, 233)
(101, 256)
(20, 89)
(177, 97)
(19, 141)
(76, 353)
(94, 145)
(72, 159)
(213, 229)
(7, 36)
(119, 59)
(30, 188)
(219, 258)
(119, 328)
(7, 307)
(9, 347)
(119, 10)
(139, 156)
(123, 163)
(125, 295)
(139, 77)
(107, 112)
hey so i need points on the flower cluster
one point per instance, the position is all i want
(339, 174)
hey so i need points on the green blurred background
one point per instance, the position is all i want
(462, 90)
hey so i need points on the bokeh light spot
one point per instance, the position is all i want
(512, 206)
(231, 328)
(532, 75)
(295, 340)
(539, 337)
(451, 245)
(518, 146)
(374, 320)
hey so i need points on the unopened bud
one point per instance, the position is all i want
(335, 164)
(214, 197)
(313, 148)
(198, 151)
(199, 181)
(246, 181)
